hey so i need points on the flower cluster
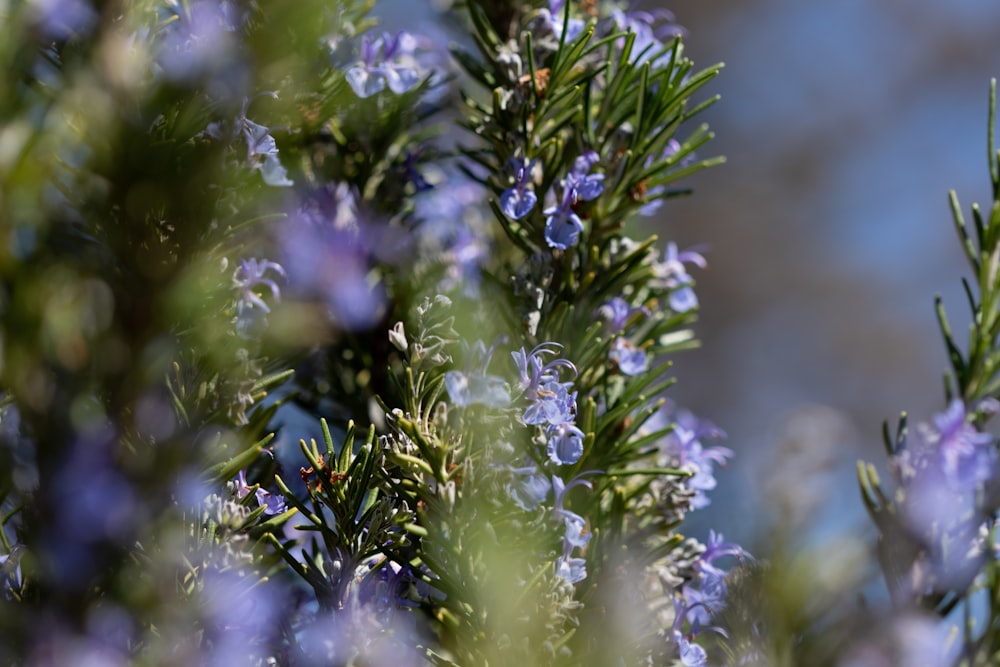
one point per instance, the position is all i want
(552, 404)
(942, 473)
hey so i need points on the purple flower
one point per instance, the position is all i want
(468, 389)
(617, 311)
(706, 595)
(518, 200)
(574, 536)
(553, 404)
(533, 371)
(529, 489)
(552, 21)
(573, 570)
(61, 19)
(394, 66)
(691, 654)
(967, 456)
(251, 274)
(672, 275)
(630, 359)
(565, 444)
(583, 185)
(453, 231)
(685, 450)
(262, 149)
(942, 472)
(474, 385)
(562, 227)
(272, 503)
(199, 41)
(562, 224)
(650, 29)
(262, 153)
(328, 253)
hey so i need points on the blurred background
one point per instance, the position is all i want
(845, 123)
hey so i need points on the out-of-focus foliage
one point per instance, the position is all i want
(223, 220)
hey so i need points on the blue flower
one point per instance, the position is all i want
(562, 224)
(630, 359)
(569, 568)
(272, 504)
(706, 595)
(529, 489)
(467, 389)
(251, 274)
(573, 570)
(533, 371)
(583, 185)
(968, 457)
(941, 473)
(650, 29)
(562, 227)
(686, 451)
(691, 654)
(394, 67)
(553, 404)
(617, 311)
(262, 153)
(552, 21)
(672, 275)
(518, 200)
(473, 385)
(565, 444)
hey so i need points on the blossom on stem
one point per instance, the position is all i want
(942, 472)
(518, 200)
(706, 594)
(385, 60)
(552, 21)
(565, 444)
(562, 224)
(617, 311)
(273, 504)
(684, 449)
(529, 489)
(630, 359)
(553, 404)
(251, 274)
(672, 275)
(572, 569)
(474, 385)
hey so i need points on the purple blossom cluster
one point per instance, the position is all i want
(683, 449)
(942, 473)
(552, 404)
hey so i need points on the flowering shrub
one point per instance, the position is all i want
(433, 287)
